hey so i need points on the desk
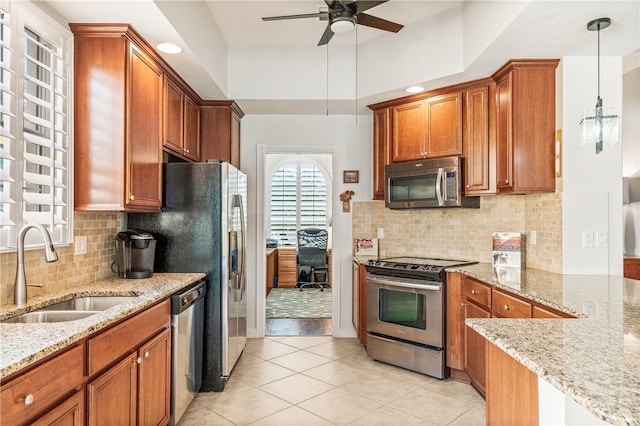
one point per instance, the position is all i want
(287, 267)
(272, 267)
(632, 267)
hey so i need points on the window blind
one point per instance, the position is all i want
(298, 200)
(35, 170)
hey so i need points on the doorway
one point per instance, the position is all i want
(297, 200)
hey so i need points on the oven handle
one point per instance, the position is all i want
(404, 284)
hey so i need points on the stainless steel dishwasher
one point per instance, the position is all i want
(187, 334)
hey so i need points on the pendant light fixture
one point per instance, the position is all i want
(599, 125)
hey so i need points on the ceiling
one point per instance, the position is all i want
(277, 68)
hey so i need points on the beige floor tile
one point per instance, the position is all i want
(454, 389)
(247, 359)
(201, 416)
(340, 407)
(476, 416)
(300, 361)
(338, 348)
(431, 406)
(292, 416)
(389, 416)
(305, 342)
(379, 388)
(334, 373)
(261, 374)
(297, 388)
(246, 407)
(267, 349)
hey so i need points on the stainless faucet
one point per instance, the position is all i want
(20, 291)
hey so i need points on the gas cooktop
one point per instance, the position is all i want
(412, 266)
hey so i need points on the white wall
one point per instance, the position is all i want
(631, 158)
(592, 184)
(350, 144)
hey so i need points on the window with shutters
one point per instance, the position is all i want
(35, 149)
(298, 200)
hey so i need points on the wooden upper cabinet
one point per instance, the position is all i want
(381, 150)
(444, 125)
(220, 131)
(479, 141)
(408, 131)
(181, 121)
(525, 125)
(118, 93)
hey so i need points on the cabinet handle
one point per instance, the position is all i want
(28, 399)
(131, 197)
(139, 360)
(186, 150)
(505, 307)
(146, 354)
(473, 291)
(463, 305)
(506, 181)
(468, 186)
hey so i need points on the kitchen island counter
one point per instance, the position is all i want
(595, 358)
(24, 344)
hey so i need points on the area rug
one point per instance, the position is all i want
(293, 303)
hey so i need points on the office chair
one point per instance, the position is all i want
(312, 253)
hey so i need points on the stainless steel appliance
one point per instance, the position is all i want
(135, 251)
(436, 182)
(187, 332)
(202, 229)
(406, 312)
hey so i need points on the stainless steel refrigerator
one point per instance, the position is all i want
(202, 229)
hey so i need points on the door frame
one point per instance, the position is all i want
(262, 223)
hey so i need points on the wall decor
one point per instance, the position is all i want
(350, 176)
(345, 197)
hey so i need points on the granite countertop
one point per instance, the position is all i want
(25, 344)
(595, 358)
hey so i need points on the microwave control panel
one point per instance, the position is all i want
(451, 185)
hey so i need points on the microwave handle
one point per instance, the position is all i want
(440, 186)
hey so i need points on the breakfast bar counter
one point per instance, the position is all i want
(595, 358)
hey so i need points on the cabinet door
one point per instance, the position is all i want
(154, 380)
(173, 116)
(111, 398)
(362, 302)
(455, 322)
(67, 413)
(235, 141)
(478, 179)
(408, 131)
(144, 146)
(444, 125)
(475, 348)
(191, 129)
(381, 150)
(504, 137)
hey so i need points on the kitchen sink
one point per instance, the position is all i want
(49, 316)
(88, 303)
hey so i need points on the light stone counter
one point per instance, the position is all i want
(24, 344)
(594, 359)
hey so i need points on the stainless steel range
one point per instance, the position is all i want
(406, 312)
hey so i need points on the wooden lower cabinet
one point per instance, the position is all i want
(111, 398)
(154, 380)
(68, 413)
(271, 269)
(360, 301)
(288, 267)
(512, 390)
(475, 348)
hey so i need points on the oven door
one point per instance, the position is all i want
(406, 309)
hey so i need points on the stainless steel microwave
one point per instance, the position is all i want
(429, 183)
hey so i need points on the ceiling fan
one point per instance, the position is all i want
(343, 15)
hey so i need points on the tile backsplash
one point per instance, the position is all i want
(100, 228)
(466, 233)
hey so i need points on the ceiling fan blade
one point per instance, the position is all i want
(379, 23)
(322, 15)
(361, 6)
(326, 36)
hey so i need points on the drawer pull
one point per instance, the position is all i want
(28, 399)
(146, 354)
(505, 307)
(473, 291)
(139, 360)
(132, 197)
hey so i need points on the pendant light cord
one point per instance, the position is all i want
(598, 62)
(327, 79)
(356, 106)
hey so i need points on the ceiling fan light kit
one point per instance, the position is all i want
(343, 15)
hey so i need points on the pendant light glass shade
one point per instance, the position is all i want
(599, 124)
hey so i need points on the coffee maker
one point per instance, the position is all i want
(135, 252)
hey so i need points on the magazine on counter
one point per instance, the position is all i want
(508, 249)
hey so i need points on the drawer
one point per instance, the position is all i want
(42, 386)
(545, 312)
(477, 292)
(110, 345)
(504, 305)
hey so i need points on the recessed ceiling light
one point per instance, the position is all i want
(414, 89)
(169, 48)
